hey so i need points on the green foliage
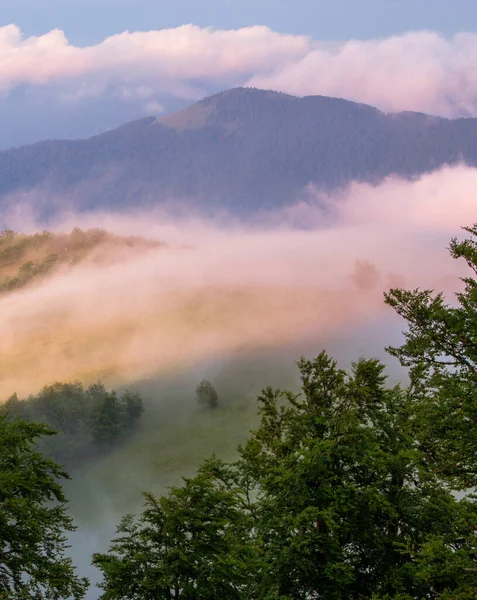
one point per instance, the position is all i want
(107, 416)
(331, 498)
(33, 520)
(441, 351)
(191, 544)
(28, 272)
(206, 394)
(343, 494)
(25, 259)
(87, 420)
(133, 406)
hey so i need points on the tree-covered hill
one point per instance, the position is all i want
(244, 150)
(25, 259)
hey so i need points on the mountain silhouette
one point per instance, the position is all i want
(243, 150)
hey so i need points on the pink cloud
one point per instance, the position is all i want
(441, 201)
(418, 71)
(421, 71)
(217, 289)
(167, 60)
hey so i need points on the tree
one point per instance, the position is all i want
(345, 501)
(206, 394)
(106, 415)
(365, 275)
(86, 420)
(133, 407)
(190, 544)
(33, 520)
(441, 351)
(331, 498)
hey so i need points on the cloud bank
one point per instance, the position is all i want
(216, 290)
(419, 71)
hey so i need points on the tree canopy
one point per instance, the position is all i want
(206, 394)
(33, 520)
(192, 543)
(87, 420)
(440, 351)
(330, 498)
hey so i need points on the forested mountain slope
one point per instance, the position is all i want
(243, 150)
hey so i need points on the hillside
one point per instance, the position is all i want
(25, 259)
(243, 150)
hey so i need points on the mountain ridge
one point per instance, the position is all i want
(241, 150)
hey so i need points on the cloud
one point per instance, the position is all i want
(438, 201)
(421, 71)
(219, 289)
(169, 60)
(417, 71)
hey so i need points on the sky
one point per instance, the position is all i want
(89, 21)
(71, 68)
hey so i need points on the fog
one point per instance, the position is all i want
(171, 307)
(217, 288)
(235, 303)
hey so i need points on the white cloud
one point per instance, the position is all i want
(441, 201)
(177, 61)
(154, 108)
(415, 71)
(420, 71)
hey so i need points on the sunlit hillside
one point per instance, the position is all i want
(26, 259)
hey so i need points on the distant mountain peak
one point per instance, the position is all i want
(243, 150)
(193, 117)
(227, 107)
(200, 113)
